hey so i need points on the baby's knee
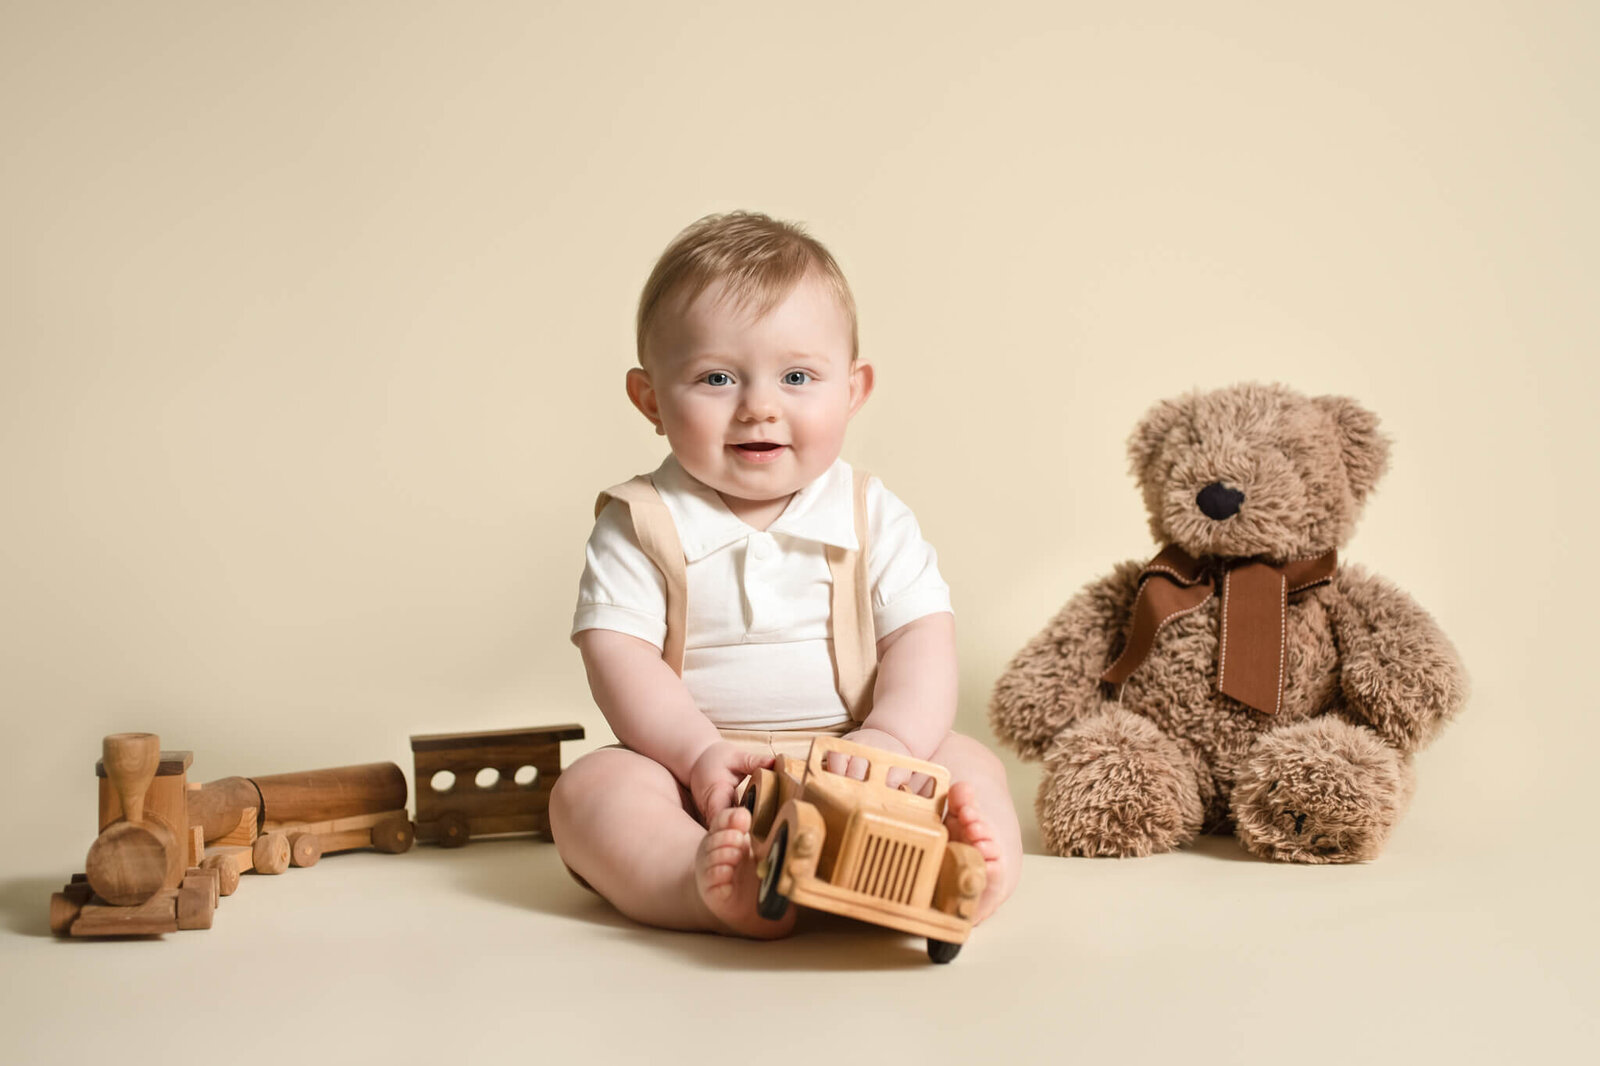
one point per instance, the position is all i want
(968, 759)
(579, 783)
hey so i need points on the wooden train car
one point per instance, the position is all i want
(488, 783)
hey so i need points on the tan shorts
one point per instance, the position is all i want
(792, 742)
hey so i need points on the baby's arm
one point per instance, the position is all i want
(914, 700)
(650, 710)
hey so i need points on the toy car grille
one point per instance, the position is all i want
(888, 869)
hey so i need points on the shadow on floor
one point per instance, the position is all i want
(25, 905)
(529, 875)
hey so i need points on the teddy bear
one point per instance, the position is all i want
(1244, 679)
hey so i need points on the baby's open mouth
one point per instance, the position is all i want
(759, 451)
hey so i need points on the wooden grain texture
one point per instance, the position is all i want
(305, 849)
(195, 906)
(210, 877)
(345, 840)
(216, 805)
(395, 834)
(493, 738)
(244, 831)
(226, 871)
(270, 853)
(332, 825)
(860, 849)
(453, 816)
(197, 845)
(341, 791)
(166, 804)
(172, 762)
(64, 910)
(388, 831)
(157, 915)
(475, 802)
(497, 825)
(127, 864)
(130, 761)
(230, 862)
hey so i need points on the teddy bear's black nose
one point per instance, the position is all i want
(1218, 501)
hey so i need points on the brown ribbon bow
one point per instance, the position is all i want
(1255, 595)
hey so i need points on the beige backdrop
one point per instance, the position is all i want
(315, 319)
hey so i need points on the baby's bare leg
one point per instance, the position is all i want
(981, 813)
(619, 823)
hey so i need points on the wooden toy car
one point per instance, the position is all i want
(861, 849)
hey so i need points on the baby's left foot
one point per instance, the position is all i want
(966, 824)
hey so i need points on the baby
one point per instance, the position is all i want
(727, 611)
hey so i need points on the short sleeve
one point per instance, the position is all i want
(621, 589)
(902, 567)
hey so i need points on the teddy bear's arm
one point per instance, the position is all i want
(1055, 678)
(1398, 671)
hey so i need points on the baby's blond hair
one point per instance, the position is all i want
(758, 259)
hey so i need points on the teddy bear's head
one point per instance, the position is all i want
(1256, 470)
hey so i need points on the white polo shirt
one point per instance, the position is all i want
(757, 652)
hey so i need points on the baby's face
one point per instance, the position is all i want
(755, 408)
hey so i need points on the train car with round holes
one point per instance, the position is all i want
(486, 784)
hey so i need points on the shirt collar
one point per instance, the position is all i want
(822, 511)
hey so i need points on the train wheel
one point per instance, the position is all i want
(270, 852)
(394, 834)
(452, 830)
(305, 849)
(942, 950)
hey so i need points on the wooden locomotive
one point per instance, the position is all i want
(168, 850)
(143, 871)
(482, 784)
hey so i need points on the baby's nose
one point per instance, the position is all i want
(758, 404)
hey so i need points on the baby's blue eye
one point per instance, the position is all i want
(719, 377)
(796, 377)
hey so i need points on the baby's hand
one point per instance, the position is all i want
(717, 773)
(855, 766)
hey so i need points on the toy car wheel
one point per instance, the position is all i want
(770, 903)
(942, 950)
(761, 800)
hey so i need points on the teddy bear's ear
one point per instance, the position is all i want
(1363, 447)
(1151, 434)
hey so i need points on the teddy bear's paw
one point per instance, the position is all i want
(1320, 791)
(1115, 785)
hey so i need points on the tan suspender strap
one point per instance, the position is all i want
(658, 537)
(855, 645)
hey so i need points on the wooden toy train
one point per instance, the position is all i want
(168, 850)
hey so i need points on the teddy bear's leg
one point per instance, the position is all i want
(1115, 784)
(1321, 790)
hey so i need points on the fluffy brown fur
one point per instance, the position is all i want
(1368, 679)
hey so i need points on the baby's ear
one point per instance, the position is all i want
(642, 394)
(1362, 446)
(1150, 435)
